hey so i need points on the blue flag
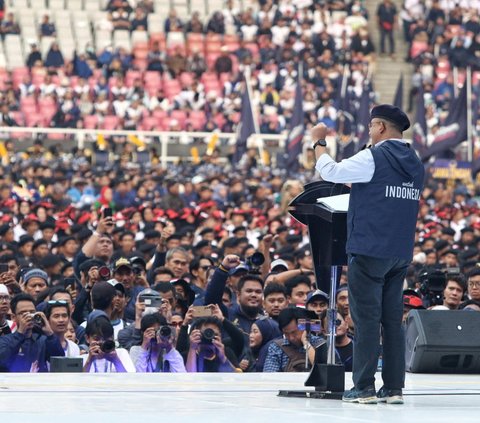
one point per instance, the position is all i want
(293, 146)
(419, 135)
(398, 99)
(246, 127)
(345, 128)
(453, 130)
(363, 118)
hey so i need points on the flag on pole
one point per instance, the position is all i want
(136, 141)
(293, 146)
(398, 99)
(363, 118)
(246, 127)
(419, 136)
(212, 143)
(454, 129)
(101, 142)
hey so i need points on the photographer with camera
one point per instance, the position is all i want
(157, 352)
(102, 356)
(91, 271)
(98, 246)
(207, 353)
(31, 346)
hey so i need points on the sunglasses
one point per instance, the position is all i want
(57, 302)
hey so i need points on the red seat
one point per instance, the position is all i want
(90, 121)
(34, 119)
(179, 115)
(186, 79)
(46, 102)
(28, 109)
(48, 112)
(149, 123)
(171, 88)
(219, 120)
(110, 122)
(198, 119)
(195, 42)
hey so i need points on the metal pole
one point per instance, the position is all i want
(332, 316)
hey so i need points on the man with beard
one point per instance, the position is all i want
(249, 294)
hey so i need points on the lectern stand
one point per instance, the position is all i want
(328, 234)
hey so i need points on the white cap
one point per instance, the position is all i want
(278, 262)
(4, 289)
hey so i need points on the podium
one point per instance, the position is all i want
(327, 229)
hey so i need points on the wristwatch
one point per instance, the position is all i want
(321, 143)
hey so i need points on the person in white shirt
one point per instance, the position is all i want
(58, 315)
(102, 356)
(157, 352)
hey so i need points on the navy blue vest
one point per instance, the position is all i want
(382, 213)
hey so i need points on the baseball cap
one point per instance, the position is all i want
(117, 285)
(317, 295)
(122, 262)
(278, 264)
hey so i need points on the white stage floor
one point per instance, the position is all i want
(145, 398)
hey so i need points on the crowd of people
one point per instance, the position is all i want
(443, 38)
(189, 75)
(158, 269)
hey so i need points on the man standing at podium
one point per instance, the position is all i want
(387, 180)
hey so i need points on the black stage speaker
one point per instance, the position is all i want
(443, 341)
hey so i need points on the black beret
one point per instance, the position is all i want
(448, 231)
(24, 239)
(50, 260)
(392, 114)
(47, 225)
(88, 264)
(62, 241)
(4, 229)
(39, 242)
(202, 243)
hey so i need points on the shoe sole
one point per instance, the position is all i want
(391, 400)
(395, 400)
(367, 400)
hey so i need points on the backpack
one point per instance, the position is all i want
(296, 359)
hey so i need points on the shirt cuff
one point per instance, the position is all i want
(322, 161)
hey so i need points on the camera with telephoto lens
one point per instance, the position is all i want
(107, 346)
(164, 332)
(254, 262)
(104, 273)
(208, 335)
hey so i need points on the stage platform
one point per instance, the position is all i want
(246, 398)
